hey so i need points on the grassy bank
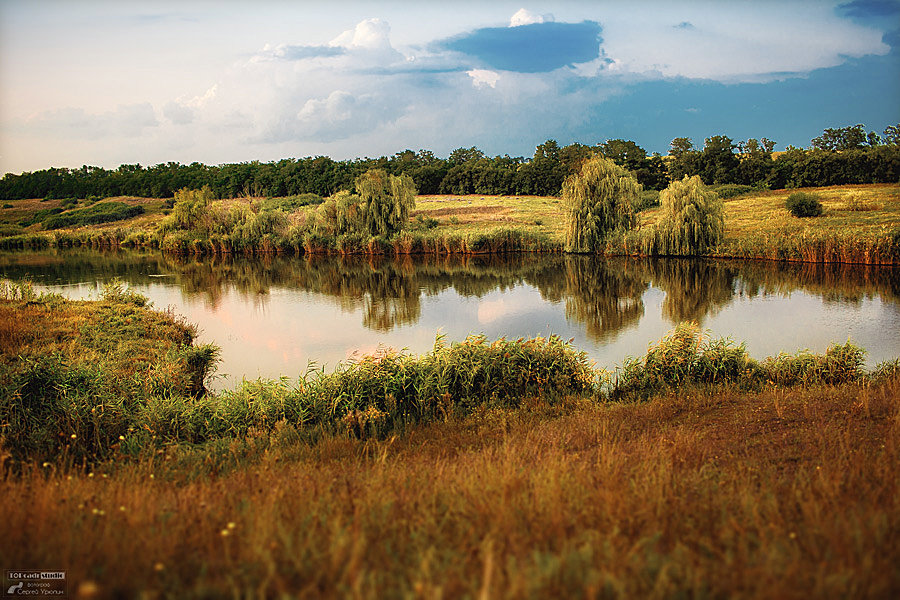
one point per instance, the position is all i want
(860, 224)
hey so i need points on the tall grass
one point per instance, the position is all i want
(688, 357)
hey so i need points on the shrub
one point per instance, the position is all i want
(8, 230)
(102, 212)
(599, 199)
(39, 215)
(839, 364)
(804, 204)
(7, 205)
(683, 357)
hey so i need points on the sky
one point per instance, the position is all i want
(110, 82)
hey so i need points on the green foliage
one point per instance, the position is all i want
(598, 200)
(339, 215)
(102, 212)
(39, 215)
(291, 203)
(840, 364)
(189, 209)
(386, 201)
(7, 230)
(804, 204)
(693, 219)
(686, 357)
(841, 138)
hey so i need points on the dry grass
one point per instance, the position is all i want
(476, 214)
(783, 494)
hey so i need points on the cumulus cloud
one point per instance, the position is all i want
(183, 111)
(526, 17)
(483, 77)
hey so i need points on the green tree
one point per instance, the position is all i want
(190, 209)
(842, 138)
(693, 219)
(386, 201)
(598, 200)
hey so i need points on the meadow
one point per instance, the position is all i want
(860, 224)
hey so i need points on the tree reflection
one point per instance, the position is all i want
(695, 288)
(603, 294)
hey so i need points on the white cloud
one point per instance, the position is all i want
(733, 42)
(483, 78)
(372, 34)
(526, 17)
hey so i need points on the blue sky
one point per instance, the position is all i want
(105, 83)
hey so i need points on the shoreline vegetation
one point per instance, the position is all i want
(62, 360)
(858, 224)
(505, 468)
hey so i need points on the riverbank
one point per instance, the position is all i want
(860, 224)
(505, 468)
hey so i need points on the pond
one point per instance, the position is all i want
(280, 315)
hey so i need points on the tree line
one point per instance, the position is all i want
(847, 155)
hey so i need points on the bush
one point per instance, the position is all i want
(8, 230)
(39, 215)
(804, 204)
(7, 205)
(102, 212)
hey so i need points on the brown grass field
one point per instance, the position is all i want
(781, 494)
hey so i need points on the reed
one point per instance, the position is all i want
(689, 357)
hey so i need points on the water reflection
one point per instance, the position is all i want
(325, 308)
(606, 296)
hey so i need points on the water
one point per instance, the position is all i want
(275, 316)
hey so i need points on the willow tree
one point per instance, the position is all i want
(598, 200)
(386, 201)
(693, 219)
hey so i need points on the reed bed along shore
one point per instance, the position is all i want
(859, 225)
(88, 381)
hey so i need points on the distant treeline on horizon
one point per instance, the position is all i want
(847, 155)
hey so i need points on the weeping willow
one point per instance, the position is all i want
(693, 219)
(598, 200)
(386, 201)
